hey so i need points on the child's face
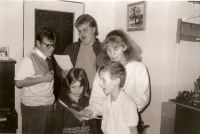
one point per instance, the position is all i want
(106, 83)
(76, 89)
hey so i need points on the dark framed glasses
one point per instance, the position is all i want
(48, 46)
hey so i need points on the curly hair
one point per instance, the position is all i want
(118, 37)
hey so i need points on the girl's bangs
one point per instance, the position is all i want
(113, 41)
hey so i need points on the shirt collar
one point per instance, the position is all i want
(37, 51)
(92, 44)
(118, 98)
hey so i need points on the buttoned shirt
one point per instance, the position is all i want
(119, 115)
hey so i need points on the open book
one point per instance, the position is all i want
(78, 114)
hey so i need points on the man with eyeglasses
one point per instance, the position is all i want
(35, 77)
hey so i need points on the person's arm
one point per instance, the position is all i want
(24, 75)
(96, 98)
(131, 115)
(142, 85)
(133, 130)
(48, 77)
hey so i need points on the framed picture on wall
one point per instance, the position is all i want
(4, 53)
(136, 16)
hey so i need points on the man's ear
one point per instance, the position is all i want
(94, 29)
(37, 43)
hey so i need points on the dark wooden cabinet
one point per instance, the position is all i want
(187, 121)
(180, 117)
(8, 114)
(187, 118)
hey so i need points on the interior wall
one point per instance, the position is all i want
(172, 66)
(104, 14)
(11, 34)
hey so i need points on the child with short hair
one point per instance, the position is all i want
(119, 110)
(75, 98)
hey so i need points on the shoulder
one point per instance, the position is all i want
(135, 65)
(128, 101)
(85, 98)
(26, 59)
(74, 44)
(126, 97)
(97, 44)
(71, 47)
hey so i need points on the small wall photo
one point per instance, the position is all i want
(4, 52)
(136, 16)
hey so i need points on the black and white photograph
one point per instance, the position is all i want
(99, 67)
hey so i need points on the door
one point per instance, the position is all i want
(61, 8)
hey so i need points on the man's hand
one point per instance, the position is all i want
(48, 77)
(64, 73)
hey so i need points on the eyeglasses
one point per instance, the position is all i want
(48, 46)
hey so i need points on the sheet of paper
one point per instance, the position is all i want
(63, 61)
(77, 113)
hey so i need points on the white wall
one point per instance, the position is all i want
(104, 14)
(172, 66)
(11, 34)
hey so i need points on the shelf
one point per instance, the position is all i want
(186, 104)
(187, 31)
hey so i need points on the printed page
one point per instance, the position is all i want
(63, 61)
(77, 113)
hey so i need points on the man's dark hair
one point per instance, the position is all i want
(46, 32)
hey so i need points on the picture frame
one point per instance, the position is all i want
(136, 16)
(4, 52)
